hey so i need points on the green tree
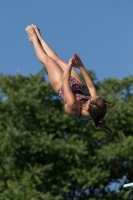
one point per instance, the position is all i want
(47, 155)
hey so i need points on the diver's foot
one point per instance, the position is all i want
(37, 31)
(31, 33)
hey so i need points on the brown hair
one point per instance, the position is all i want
(97, 109)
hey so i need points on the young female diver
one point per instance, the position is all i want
(67, 83)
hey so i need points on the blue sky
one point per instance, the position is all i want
(100, 31)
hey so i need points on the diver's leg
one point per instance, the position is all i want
(54, 71)
(49, 51)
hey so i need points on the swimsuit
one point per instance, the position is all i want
(77, 89)
(80, 110)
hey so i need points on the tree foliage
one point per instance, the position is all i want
(47, 155)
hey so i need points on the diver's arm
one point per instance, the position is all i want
(67, 88)
(88, 80)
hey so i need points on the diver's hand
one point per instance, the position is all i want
(78, 62)
(71, 62)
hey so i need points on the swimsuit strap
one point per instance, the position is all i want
(80, 110)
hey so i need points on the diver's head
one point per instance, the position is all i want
(97, 110)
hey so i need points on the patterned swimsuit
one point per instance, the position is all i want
(77, 89)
